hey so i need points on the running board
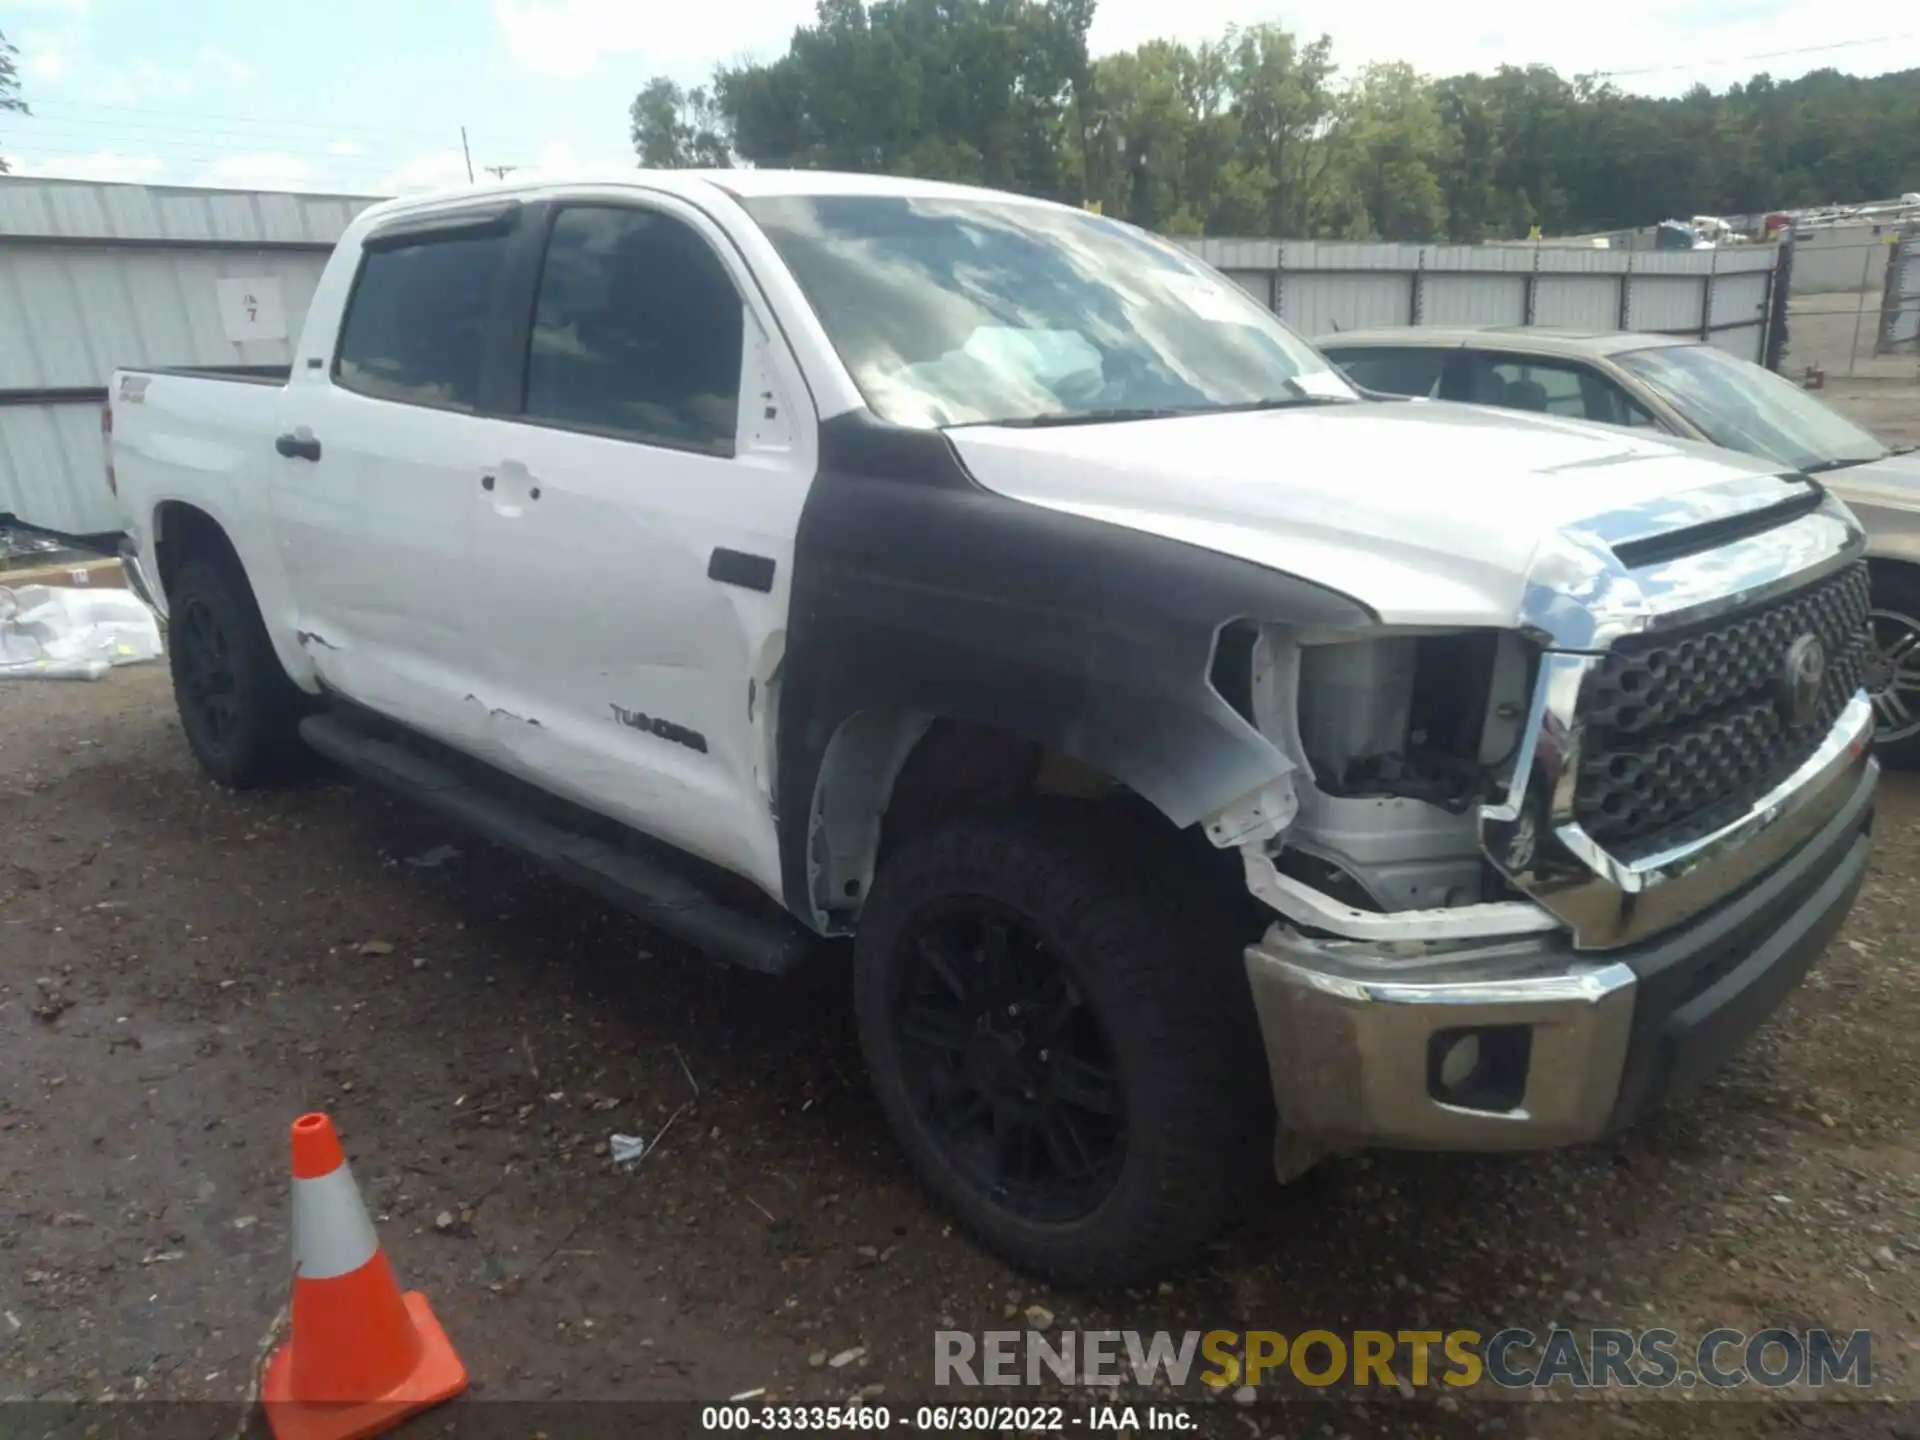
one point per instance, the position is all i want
(648, 889)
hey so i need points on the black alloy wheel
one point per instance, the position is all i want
(205, 685)
(1005, 1061)
(1059, 1027)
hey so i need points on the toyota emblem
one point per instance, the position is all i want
(1802, 678)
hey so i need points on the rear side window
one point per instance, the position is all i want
(1551, 387)
(1394, 372)
(416, 324)
(636, 333)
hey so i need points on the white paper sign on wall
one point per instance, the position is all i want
(252, 309)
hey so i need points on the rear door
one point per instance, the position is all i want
(381, 450)
(1543, 385)
(636, 550)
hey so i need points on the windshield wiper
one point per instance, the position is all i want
(1823, 467)
(1288, 402)
(1301, 399)
(1092, 417)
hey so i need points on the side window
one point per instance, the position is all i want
(1552, 387)
(1394, 372)
(416, 324)
(1529, 384)
(636, 333)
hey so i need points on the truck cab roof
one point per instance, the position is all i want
(698, 185)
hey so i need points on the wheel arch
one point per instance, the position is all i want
(890, 774)
(183, 531)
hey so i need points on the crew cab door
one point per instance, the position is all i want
(635, 544)
(376, 475)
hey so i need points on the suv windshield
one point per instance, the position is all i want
(1741, 406)
(956, 312)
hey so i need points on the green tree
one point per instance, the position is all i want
(1389, 149)
(674, 129)
(1258, 132)
(989, 91)
(10, 101)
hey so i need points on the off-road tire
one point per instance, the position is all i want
(254, 740)
(1164, 980)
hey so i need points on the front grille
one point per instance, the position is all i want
(1684, 730)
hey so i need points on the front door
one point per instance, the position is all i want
(636, 547)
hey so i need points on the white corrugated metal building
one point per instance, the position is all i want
(98, 275)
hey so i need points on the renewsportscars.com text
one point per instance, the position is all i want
(1510, 1359)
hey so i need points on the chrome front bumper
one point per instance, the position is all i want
(1519, 1025)
(1357, 1036)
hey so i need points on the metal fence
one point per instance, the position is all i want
(1322, 287)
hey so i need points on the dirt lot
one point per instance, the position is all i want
(183, 970)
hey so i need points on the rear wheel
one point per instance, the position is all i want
(1893, 667)
(239, 710)
(1066, 1050)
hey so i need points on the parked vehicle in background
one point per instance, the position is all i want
(1678, 386)
(1210, 766)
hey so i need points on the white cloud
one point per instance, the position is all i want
(261, 170)
(100, 165)
(436, 170)
(64, 60)
(47, 56)
(135, 84)
(1705, 42)
(345, 147)
(569, 38)
(224, 70)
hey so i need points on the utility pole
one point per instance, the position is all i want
(466, 151)
(499, 172)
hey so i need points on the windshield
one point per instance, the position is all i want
(955, 312)
(1740, 406)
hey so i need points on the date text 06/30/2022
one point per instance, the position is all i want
(951, 1419)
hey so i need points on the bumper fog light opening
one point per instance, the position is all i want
(1482, 1068)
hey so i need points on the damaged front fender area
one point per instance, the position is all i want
(916, 591)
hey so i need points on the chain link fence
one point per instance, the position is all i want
(1853, 305)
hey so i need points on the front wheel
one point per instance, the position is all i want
(1893, 667)
(1068, 1053)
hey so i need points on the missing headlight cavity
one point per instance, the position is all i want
(1232, 672)
(1427, 717)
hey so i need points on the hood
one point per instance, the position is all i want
(1887, 481)
(1428, 514)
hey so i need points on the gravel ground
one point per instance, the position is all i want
(183, 970)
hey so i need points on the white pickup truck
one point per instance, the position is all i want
(1212, 765)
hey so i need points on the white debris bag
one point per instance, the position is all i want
(52, 633)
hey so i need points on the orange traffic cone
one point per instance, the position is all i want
(362, 1356)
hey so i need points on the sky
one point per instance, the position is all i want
(369, 97)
